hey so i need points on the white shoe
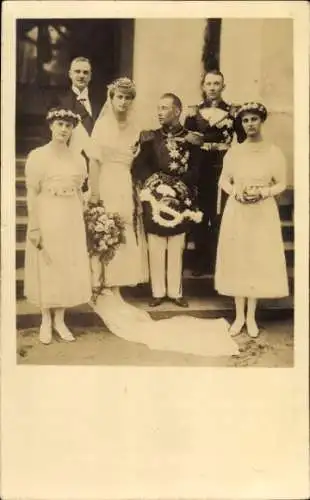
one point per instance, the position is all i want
(45, 335)
(236, 328)
(253, 330)
(64, 332)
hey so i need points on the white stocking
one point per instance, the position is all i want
(46, 317)
(61, 327)
(46, 326)
(250, 320)
(237, 325)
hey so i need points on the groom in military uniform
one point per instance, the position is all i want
(213, 120)
(165, 168)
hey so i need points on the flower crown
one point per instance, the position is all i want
(252, 106)
(124, 84)
(65, 114)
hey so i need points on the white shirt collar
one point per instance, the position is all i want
(81, 95)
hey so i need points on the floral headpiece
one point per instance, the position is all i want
(63, 114)
(252, 107)
(123, 84)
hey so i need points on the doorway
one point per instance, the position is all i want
(45, 48)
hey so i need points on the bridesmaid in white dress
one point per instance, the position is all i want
(57, 270)
(112, 151)
(250, 257)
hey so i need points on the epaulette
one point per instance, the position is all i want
(192, 110)
(234, 108)
(225, 106)
(147, 135)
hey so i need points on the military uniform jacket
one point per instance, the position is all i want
(169, 153)
(217, 131)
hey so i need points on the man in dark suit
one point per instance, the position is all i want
(79, 99)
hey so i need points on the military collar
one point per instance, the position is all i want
(171, 131)
(208, 104)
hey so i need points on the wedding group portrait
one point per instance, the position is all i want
(155, 192)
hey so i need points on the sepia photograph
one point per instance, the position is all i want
(155, 192)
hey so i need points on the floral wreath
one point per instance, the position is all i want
(252, 106)
(170, 201)
(124, 84)
(65, 114)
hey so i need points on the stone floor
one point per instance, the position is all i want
(94, 346)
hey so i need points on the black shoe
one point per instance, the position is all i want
(156, 301)
(197, 272)
(181, 302)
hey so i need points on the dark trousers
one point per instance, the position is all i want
(85, 186)
(205, 234)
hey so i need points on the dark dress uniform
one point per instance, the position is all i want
(166, 158)
(217, 132)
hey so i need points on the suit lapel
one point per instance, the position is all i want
(94, 105)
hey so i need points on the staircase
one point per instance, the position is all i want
(203, 300)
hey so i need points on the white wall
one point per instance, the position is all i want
(257, 61)
(240, 58)
(167, 58)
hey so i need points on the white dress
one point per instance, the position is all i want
(113, 146)
(250, 255)
(58, 276)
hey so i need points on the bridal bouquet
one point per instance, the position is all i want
(171, 201)
(104, 232)
(251, 194)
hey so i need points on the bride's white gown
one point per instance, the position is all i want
(183, 334)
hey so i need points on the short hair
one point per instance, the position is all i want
(175, 99)
(80, 59)
(211, 72)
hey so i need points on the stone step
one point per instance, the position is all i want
(25, 143)
(21, 228)
(202, 286)
(21, 223)
(286, 210)
(28, 316)
(20, 166)
(189, 255)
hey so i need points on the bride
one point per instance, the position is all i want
(111, 155)
(111, 151)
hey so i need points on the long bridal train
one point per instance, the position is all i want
(182, 334)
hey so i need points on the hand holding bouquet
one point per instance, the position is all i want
(250, 194)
